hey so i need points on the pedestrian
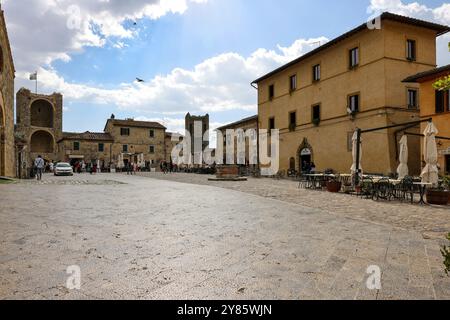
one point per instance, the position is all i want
(52, 167)
(313, 168)
(94, 170)
(39, 165)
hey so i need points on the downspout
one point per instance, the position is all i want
(257, 136)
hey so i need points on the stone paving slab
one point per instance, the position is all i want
(141, 238)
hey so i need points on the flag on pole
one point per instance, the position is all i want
(33, 76)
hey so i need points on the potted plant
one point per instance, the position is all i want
(334, 186)
(438, 195)
(446, 184)
(446, 254)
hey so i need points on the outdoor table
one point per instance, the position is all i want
(422, 189)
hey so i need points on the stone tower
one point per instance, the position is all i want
(39, 124)
(194, 125)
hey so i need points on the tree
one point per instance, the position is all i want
(442, 84)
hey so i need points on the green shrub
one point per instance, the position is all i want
(446, 254)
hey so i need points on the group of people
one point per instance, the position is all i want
(309, 167)
(167, 167)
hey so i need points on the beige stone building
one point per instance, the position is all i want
(89, 147)
(7, 75)
(132, 138)
(354, 81)
(436, 105)
(173, 147)
(39, 125)
(243, 125)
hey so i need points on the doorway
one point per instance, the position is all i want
(305, 159)
(447, 164)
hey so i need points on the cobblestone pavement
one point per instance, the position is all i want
(141, 238)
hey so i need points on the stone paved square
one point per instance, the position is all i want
(180, 236)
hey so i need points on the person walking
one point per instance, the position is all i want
(39, 164)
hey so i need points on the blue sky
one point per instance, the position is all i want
(96, 75)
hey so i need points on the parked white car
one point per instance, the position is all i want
(63, 169)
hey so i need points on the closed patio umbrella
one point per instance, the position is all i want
(402, 169)
(355, 143)
(430, 153)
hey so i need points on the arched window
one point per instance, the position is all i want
(42, 142)
(42, 114)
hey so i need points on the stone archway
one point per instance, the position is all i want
(42, 142)
(41, 114)
(304, 153)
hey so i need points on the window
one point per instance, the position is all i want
(101, 147)
(292, 121)
(76, 146)
(442, 101)
(293, 83)
(124, 131)
(271, 124)
(412, 99)
(316, 73)
(354, 57)
(316, 114)
(152, 133)
(125, 148)
(152, 149)
(411, 50)
(271, 91)
(353, 103)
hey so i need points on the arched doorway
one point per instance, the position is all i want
(41, 114)
(305, 155)
(42, 142)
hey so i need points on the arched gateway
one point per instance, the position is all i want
(304, 155)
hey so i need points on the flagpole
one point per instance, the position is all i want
(36, 83)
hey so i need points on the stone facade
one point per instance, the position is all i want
(88, 147)
(39, 124)
(202, 123)
(173, 147)
(7, 75)
(132, 138)
(250, 123)
(315, 116)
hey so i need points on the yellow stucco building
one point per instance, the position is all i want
(7, 75)
(436, 105)
(354, 81)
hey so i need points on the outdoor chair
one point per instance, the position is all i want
(405, 190)
(367, 188)
(383, 189)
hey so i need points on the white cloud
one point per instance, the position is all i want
(42, 31)
(218, 84)
(439, 14)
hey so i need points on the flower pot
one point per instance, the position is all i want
(334, 186)
(438, 197)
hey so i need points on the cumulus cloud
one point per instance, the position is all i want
(43, 31)
(440, 14)
(221, 83)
